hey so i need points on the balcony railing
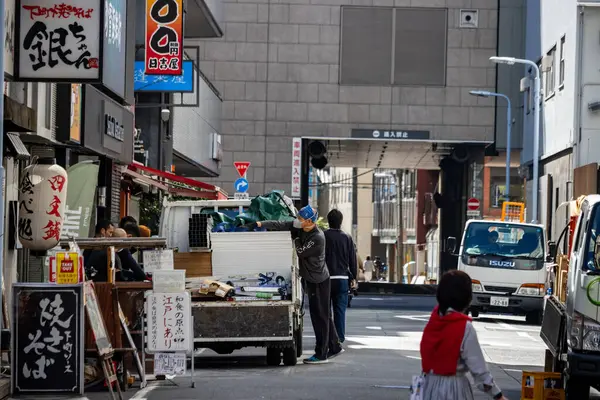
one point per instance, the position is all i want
(385, 218)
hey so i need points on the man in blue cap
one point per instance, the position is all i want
(309, 242)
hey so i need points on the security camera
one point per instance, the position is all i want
(165, 114)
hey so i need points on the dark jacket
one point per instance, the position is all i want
(310, 248)
(340, 254)
(98, 261)
(130, 266)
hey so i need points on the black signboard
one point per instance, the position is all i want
(389, 134)
(47, 339)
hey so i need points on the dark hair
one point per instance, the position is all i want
(102, 224)
(368, 258)
(132, 229)
(127, 220)
(335, 218)
(454, 291)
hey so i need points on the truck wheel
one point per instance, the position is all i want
(534, 317)
(576, 389)
(290, 357)
(273, 356)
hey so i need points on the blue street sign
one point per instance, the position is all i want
(241, 185)
(164, 83)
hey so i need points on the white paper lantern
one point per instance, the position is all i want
(42, 199)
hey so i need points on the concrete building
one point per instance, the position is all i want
(284, 71)
(562, 36)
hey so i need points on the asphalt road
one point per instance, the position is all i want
(382, 355)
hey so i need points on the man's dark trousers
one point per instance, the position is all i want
(319, 305)
(339, 302)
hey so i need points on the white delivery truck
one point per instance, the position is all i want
(506, 262)
(249, 261)
(571, 326)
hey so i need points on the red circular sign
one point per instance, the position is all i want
(473, 204)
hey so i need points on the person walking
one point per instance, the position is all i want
(309, 242)
(368, 267)
(450, 348)
(340, 257)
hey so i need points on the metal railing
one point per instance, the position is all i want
(385, 217)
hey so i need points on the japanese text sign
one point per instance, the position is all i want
(169, 363)
(66, 268)
(47, 338)
(42, 199)
(169, 318)
(59, 41)
(242, 167)
(183, 83)
(296, 166)
(155, 260)
(164, 37)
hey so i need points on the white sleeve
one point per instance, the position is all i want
(472, 355)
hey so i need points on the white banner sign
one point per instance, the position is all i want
(169, 364)
(59, 41)
(158, 260)
(296, 166)
(169, 322)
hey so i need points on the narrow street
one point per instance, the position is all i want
(382, 355)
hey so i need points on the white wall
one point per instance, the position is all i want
(590, 88)
(545, 27)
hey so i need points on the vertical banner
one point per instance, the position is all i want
(81, 192)
(164, 37)
(75, 123)
(296, 166)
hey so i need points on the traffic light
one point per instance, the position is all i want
(317, 152)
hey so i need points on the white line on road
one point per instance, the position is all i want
(141, 395)
(375, 328)
(413, 357)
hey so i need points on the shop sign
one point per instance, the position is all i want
(47, 339)
(296, 166)
(42, 198)
(169, 318)
(114, 52)
(164, 37)
(66, 268)
(9, 37)
(59, 41)
(75, 123)
(183, 83)
(389, 134)
(113, 128)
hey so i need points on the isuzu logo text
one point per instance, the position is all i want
(505, 264)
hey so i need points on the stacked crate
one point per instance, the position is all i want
(200, 226)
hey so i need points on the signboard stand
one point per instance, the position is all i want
(136, 357)
(170, 337)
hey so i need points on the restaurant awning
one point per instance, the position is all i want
(174, 184)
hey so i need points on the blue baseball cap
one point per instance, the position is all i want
(308, 213)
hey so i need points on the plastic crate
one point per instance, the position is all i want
(542, 386)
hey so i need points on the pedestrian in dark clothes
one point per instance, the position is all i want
(340, 256)
(309, 242)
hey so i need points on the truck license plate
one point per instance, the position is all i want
(499, 301)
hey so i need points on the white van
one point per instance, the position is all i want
(506, 262)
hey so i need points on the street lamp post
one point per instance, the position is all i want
(536, 124)
(483, 93)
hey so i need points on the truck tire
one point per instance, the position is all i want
(534, 317)
(290, 357)
(273, 356)
(576, 389)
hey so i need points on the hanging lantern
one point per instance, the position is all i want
(42, 199)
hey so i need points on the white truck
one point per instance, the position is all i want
(225, 326)
(571, 326)
(506, 262)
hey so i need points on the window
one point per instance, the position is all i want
(393, 46)
(561, 66)
(498, 186)
(549, 66)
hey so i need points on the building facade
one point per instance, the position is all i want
(323, 67)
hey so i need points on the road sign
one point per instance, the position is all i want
(242, 167)
(241, 196)
(473, 204)
(241, 185)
